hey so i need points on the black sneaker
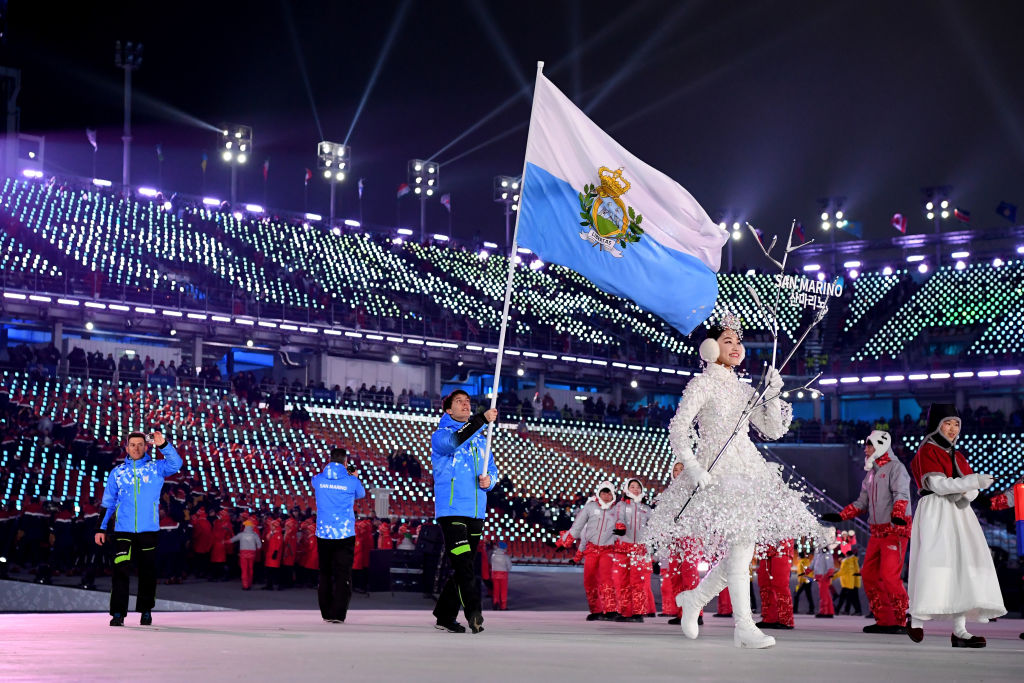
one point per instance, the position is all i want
(146, 619)
(117, 620)
(476, 623)
(451, 627)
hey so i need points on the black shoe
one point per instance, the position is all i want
(723, 616)
(594, 616)
(146, 619)
(878, 628)
(635, 619)
(675, 621)
(916, 634)
(609, 616)
(1022, 636)
(663, 614)
(117, 620)
(649, 614)
(476, 623)
(700, 620)
(451, 627)
(973, 641)
(765, 624)
(824, 616)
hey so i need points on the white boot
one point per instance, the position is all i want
(692, 602)
(745, 634)
(690, 605)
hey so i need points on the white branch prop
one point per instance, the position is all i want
(758, 397)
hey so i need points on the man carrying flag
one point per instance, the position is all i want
(591, 205)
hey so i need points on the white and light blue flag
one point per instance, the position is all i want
(590, 205)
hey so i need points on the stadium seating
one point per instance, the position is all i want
(60, 237)
(868, 290)
(978, 294)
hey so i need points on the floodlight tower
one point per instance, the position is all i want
(236, 149)
(333, 159)
(128, 57)
(506, 191)
(425, 180)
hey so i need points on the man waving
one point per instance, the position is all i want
(132, 497)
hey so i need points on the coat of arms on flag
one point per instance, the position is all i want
(611, 222)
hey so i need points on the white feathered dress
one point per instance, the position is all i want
(747, 500)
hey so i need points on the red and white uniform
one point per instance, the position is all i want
(885, 497)
(631, 569)
(501, 565)
(593, 526)
(824, 569)
(951, 570)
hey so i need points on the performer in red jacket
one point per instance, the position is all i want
(272, 550)
(951, 570)
(361, 561)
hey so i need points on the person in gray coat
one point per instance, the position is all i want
(885, 497)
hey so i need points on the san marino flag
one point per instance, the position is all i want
(590, 205)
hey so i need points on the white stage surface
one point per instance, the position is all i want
(402, 645)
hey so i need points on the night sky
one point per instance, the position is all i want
(759, 108)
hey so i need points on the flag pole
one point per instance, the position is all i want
(509, 280)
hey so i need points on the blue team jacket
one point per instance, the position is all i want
(336, 492)
(456, 468)
(133, 491)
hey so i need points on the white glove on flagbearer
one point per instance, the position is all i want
(774, 379)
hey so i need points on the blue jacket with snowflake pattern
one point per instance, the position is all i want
(457, 455)
(133, 491)
(336, 492)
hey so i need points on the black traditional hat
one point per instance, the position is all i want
(938, 412)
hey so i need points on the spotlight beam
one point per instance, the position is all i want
(403, 9)
(711, 76)
(500, 136)
(141, 100)
(498, 41)
(487, 117)
(296, 48)
(638, 57)
(574, 56)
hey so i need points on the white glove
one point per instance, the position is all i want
(698, 475)
(774, 379)
(984, 480)
(963, 501)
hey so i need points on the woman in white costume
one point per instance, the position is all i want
(743, 503)
(951, 572)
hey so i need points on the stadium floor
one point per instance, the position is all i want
(400, 645)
